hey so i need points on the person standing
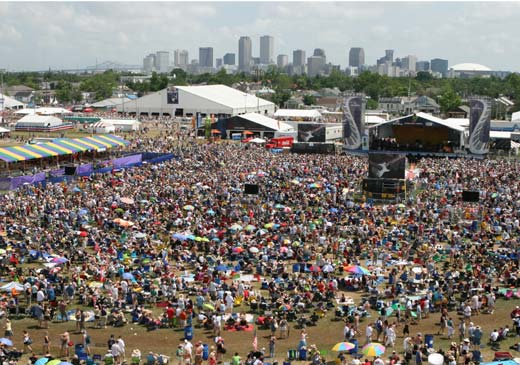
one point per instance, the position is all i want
(8, 328)
(64, 344)
(122, 349)
(27, 341)
(46, 344)
(368, 333)
(272, 344)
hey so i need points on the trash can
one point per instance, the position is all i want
(355, 349)
(188, 333)
(303, 354)
(428, 341)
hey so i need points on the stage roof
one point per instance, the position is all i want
(60, 146)
(445, 123)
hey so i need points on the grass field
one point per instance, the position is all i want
(327, 333)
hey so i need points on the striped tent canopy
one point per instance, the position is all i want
(61, 146)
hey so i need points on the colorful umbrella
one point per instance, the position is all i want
(238, 249)
(41, 361)
(356, 269)
(208, 306)
(54, 362)
(59, 260)
(254, 249)
(6, 341)
(315, 268)
(285, 307)
(236, 227)
(343, 346)
(188, 207)
(127, 200)
(373, 349)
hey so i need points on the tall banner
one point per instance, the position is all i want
(198, 117)
(353, 121)
(172, 96)
(479, 125)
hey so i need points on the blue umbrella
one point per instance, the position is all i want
(128, 276)
(82, 212)
(190, 237)
(222, 268)
(65, 363)
(6, 341)
(42, 361)
(179, 236)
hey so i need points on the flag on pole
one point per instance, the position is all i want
(255, 341)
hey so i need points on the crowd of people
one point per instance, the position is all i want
(183, 237)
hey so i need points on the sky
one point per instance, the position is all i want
(69, 35)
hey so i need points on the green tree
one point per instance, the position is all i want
(449, 100)
(280, 97)
(309, 99)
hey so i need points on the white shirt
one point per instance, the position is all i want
(40, 296)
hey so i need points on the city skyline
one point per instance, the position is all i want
(38, 36)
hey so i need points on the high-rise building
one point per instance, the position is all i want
(356, 57)
(423, 66)
(229, 59)
(389, 55)
(282, 60)
(149, 63)
(162, 61)
(206, 56)
(299, 57)
(180, 58)
(408, 63)
(315, 65)
(439, 65)
(266, 50)
(245, 55)
(218, 62)
(319, 52)
(298, 62)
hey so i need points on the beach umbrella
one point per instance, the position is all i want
(208, 306)
(328, 268)
(210, 211)
(127, 200)
(83, 234)
(222, 267)
(279, 206)
(315, 268)
(250, 228)
(284, 307)
(128, 276)
(6, 341)
(82, 212)
(188, 207)
(269, 225)
(65, 363)
(343, 346)
(41, 361)
(59, 260)
(140, 235)
(254, 250)
(373, 349)
(356, 269)
(205, 239)
(236, 227)
(54, 362)
(179, 236)
(287, 210)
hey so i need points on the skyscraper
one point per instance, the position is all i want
(422, 66)
(439, 65)
(162, 61)
(229, 59)
(244, 54)
(298, 61)
(149, 63)
(315, 65)
(282, 60)
(319, 52)
(266, 50)
(206, 56)
(389, 55)
(356, 57)
(409, 63)
(180, 58)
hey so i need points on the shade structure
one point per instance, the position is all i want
(343, 346)
(247, 132)
(6, 341)
(373, 349)
(356, 269)
(60, 147)
(42, 361)
(208, 306)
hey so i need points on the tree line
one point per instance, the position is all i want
(69, 87)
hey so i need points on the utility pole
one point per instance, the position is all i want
(2, 97)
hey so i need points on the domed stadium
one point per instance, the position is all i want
(470, 67)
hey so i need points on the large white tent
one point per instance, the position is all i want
(9, 103)
(186, 101)
(124, 125)
(38, 122)
(43, 111)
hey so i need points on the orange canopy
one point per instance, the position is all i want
(248, 132)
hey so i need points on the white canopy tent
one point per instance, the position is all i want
(39, 121)
(101, 127)
(9, 103)
(43, 111)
